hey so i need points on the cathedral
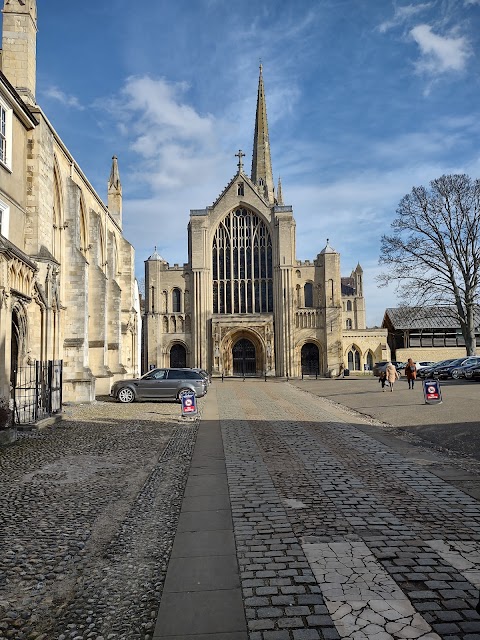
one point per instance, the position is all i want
(68, 293)
(244, 305)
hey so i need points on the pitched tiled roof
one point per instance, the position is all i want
(424, 317)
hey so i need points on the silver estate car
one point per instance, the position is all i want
(160, 384)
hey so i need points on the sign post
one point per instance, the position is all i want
(432, 392)
(189, 403)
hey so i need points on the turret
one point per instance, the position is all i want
(19, 46)
(279, 193)
(358, 275)
(115, 193)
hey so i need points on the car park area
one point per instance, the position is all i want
(454, 424)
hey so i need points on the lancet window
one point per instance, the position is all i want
(242, 264)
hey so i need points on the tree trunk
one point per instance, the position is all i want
(470, 341)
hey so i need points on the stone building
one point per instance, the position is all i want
(244, 304)
(426, 333)
(67, 287)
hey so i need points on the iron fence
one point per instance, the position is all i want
(37, 391)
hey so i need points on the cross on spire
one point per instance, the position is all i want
(240, 155)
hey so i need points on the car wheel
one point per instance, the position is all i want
(455, 374)
(126, 395)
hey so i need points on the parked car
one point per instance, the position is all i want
(427, 372)
(160, 384)
(473, 373)
(460, 371)
(445, 371)
(379, 367)
(424, 364)
(204, 373)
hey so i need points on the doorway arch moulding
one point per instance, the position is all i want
(226, 334)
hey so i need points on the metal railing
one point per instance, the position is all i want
(37, 391)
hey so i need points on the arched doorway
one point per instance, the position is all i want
(178, 356)
(244, 358)
(369, 361)
(310, 358)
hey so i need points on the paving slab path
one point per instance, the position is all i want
(326, 531)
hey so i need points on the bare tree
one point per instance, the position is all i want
(433, 255)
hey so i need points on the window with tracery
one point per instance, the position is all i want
(242, 264)
(354, 359)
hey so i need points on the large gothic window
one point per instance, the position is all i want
(242, 264)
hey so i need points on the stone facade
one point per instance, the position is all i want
(243, 304)
(77, 299)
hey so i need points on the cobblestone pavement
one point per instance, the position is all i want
(337, 535)
(88, 513)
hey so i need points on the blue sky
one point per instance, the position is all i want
(365, 99)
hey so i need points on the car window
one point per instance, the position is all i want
(176, 374)
(156, 374)
(193, 375)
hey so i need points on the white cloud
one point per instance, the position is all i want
(467, 2)
(402, 15)
(440, 54)
(55, 93)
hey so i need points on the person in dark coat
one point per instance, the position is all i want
(382, 379)
(411, 373)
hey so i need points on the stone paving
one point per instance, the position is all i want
(88, 512)
(337, 535)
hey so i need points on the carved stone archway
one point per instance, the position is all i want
(236, 344)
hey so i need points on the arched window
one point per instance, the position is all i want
(84, 247)
(176, 300)
(242, 264)
(370, 361)
(349, 323)
(57, 219)
(349, 305)
(308, 294)
(354, 359)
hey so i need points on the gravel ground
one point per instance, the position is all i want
(88, 512)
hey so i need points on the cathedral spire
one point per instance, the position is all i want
(261, 161)
(115, 193)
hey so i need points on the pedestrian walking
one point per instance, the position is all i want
(411, 373)
(382, 378)
(391, 374)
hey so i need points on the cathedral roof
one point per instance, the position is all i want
(240, 175)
